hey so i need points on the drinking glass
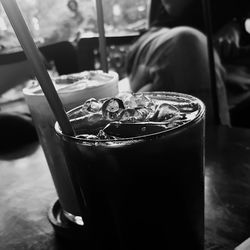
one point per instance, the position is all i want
(44, 121)
(146, 190)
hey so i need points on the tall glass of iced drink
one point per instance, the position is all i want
(140, 159)
(73, 90)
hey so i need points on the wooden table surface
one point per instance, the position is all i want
(227, 188)
(27, 192)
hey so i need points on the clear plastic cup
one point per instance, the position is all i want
(82, 86)
(144, 191)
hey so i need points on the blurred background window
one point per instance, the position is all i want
(58, 20)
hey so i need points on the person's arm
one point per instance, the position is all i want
(227, 39)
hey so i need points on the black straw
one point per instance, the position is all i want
(102, 38)
(209, 34)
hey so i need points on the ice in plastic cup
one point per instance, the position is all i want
(140, 162)
(73, 90)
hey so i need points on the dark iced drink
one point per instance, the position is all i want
(139, 159)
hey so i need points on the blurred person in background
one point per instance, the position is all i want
(173, 56)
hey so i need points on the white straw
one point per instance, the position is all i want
(22, 32)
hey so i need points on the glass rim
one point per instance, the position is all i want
(198, 117)
(31, 91)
